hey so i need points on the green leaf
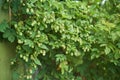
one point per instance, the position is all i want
(15, 75)
(117, 55)
(60, 57)
(37, 61)
(27, 48)
(44, 47)
(3, 26)
(114, 36)
(118, 44)
(107, 50)
(29, 43)
(9, 34)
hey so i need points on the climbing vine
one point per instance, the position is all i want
(65, 39)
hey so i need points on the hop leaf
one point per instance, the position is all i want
(3, 26)
(10, 35)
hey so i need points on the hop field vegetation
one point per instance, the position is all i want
(65, 39)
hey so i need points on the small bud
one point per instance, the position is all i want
(32, 11)
(27, 10)
(31, 71)
(12, 63)
(21, 55)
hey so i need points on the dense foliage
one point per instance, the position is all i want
(65, 39)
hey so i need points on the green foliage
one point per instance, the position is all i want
(3, 26)
(8, 32)
(66, 40)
